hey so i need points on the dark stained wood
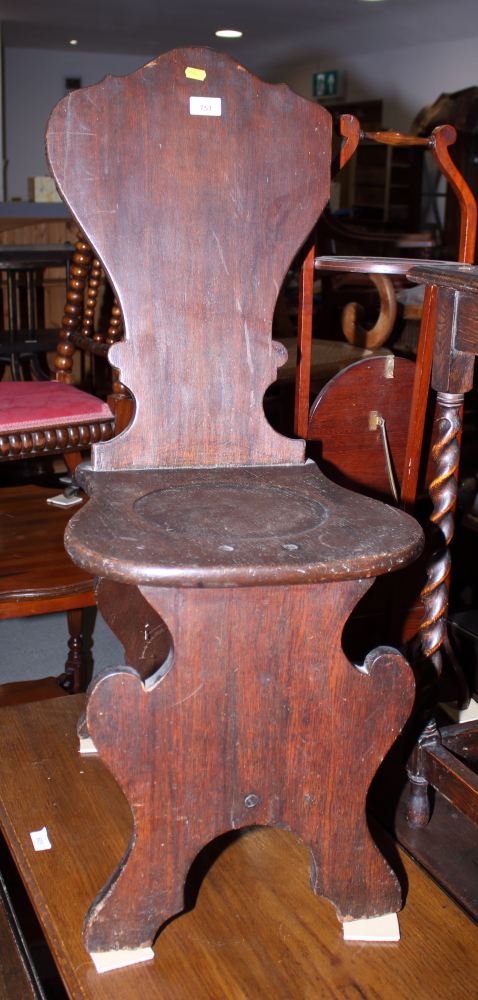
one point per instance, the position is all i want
(446, 848)
(78, 320)
(452, 376)
(256, 930)
(340, 421)
(444, 274)
(245, 527)
(461, 739)
(36, 574)
(17, 982)
(143, 634)
(301, 789)
(65, 439)
(207, 509)
(452, 779)
(51, 582)
(304, 344)
(19, 692)
(237, 214)
(419, 402)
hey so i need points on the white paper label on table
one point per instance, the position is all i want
(40, 839)
(205, 106)
(384, 928)
(62, 501)
(87, 745)
(105, 961)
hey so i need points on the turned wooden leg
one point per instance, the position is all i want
(74, 677)
(72, 460)
(443, 492)
(256, 718)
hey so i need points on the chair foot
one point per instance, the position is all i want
(237, 735)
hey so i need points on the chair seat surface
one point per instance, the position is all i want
(38, 405)
(235, 527)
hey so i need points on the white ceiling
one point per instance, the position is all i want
(276, 32)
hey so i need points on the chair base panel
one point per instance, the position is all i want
(236, 730)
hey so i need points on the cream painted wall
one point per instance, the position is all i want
(34, 83)
(406, 79)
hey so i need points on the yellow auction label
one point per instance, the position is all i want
(195, 74)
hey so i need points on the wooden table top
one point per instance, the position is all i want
(36, 573)
(257, 931)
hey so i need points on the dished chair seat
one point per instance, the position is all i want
(39, 417)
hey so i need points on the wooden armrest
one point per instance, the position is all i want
(365, 265)
(461, 277)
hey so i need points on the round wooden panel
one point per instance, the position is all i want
(224, 510)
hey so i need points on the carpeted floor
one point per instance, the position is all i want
(36, 647)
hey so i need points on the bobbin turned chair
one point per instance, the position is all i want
(244, 552)
(41, 419)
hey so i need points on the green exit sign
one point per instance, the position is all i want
(325, 84)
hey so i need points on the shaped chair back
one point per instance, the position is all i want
(196, 190)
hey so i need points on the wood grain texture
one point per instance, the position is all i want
(452, 370)
(461, 739)
(256, 931)
(304, 343)
(142, 633)
(16, 982)
(453, 779)
(246, 190)
(394, 139)
(351, 454)
(259, 747)
(240, 527)
(353, 313)
(348, 127)
(459, 277)
(441, 138)
(419, 402)
(50, 581)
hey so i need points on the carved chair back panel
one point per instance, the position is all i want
(196, 218)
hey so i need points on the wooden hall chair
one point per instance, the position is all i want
(247, 554)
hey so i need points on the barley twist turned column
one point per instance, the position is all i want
(443, 492)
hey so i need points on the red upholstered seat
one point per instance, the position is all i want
(38, 405)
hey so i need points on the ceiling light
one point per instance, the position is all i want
(73, 41)
(227, 33)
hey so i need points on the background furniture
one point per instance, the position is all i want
(38, 419)
(21, 338)
(37, 576)
(456, 344)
